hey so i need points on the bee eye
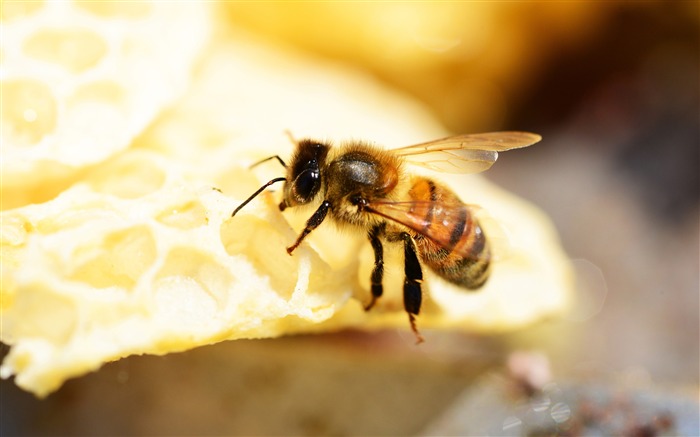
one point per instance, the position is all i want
(306, 185)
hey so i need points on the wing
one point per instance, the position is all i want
(443, 223)
(471, 153)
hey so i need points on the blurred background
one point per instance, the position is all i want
(613, 88)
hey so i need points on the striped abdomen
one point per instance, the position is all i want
(451, 241)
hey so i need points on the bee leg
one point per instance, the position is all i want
(412, 294)
(378, 272)
(313, 222)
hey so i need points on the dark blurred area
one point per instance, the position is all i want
(632, 92)
(614, 89)
(619, 174)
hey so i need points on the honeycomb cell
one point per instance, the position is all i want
(73, 217)
(107, 9)
(14, 230)
(29, 112)
(205, 279)
(105, 91)
(38, 312)
(264, 245)
(119, 260)
(14, 10)
(74, 49)
(185, 216)
(128, 177)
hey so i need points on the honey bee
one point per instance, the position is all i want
(368, 188)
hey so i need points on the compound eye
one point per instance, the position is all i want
(306, 185)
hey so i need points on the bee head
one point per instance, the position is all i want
(304, 173)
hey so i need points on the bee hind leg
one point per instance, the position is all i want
(412, 293)
(378, 271)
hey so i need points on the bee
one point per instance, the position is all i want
(369, 189)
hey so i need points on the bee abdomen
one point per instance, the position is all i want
(464, 256)
(470, 271)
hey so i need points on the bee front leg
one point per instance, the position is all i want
(313, 222)
(378, 271)
(412, 293)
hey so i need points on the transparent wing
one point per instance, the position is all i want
(440, 222)
(470, 153)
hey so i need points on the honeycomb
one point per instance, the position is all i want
(138, 252)
(80, 80)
